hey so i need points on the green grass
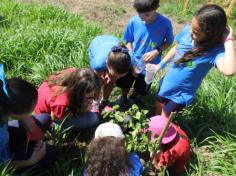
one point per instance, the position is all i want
(37, 40)
(174, 9)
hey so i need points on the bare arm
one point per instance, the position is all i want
(164, 61)
(149, 56)
(38, 154)
(129, 46)
(169, 56)
(227, 64)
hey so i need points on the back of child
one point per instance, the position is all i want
(111, 60)
(175, 150)
(17, 100)
(146, 36)
(107, 154)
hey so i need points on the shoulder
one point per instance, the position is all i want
(60, 100)
(184, 35)
(163, 19)
(104, 38)
(186, 29)
(134, 19)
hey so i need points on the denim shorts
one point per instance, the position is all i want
(169, 105)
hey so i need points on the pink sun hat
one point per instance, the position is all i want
(156, 124)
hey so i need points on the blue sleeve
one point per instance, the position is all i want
(137, 167)
(99, 49)
(2, 78)
(128, 33)
(183, 32)
(220, 53)
(169, 34)
(4, 149)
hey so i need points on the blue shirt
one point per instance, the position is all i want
(181, 82)
(136, 166)
(99, 49)
(147, 37)
(4, 139)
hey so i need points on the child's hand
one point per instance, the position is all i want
(157, 165)
(155, 162)
(38, 153)
(153, 68)
(149, 56)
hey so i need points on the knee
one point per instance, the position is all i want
(43, 120)
(93, 119)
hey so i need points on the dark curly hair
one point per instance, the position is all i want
(77, 84)
(107, 156)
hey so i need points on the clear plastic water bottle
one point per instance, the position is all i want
(140, 66)
(150, 73)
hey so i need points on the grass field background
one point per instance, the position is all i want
(37, 40)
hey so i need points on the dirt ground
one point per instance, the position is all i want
(112, 15)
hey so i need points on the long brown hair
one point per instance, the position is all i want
(107, 156)
(213, 22)
(76, 83)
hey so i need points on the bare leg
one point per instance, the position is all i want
(159, 107)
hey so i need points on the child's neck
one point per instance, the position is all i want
(153, 18)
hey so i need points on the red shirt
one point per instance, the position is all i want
(49, 102)
(177, 153)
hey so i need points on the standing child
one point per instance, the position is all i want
(107, 154)
(110, 60)
(17, 100)
(175, 148)
(70, 93)
(207, 43)
(146, 36)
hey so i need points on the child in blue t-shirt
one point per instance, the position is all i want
(17, 100)
(206, 43)
(110, 60)
(146, 36)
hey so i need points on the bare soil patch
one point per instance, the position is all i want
(112, 15)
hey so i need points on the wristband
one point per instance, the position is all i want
(228, 39)
(159, 50)
(162, 64)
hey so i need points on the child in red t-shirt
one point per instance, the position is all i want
(69, 94)
(175, 150)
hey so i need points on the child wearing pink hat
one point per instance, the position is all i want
(175, 150)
